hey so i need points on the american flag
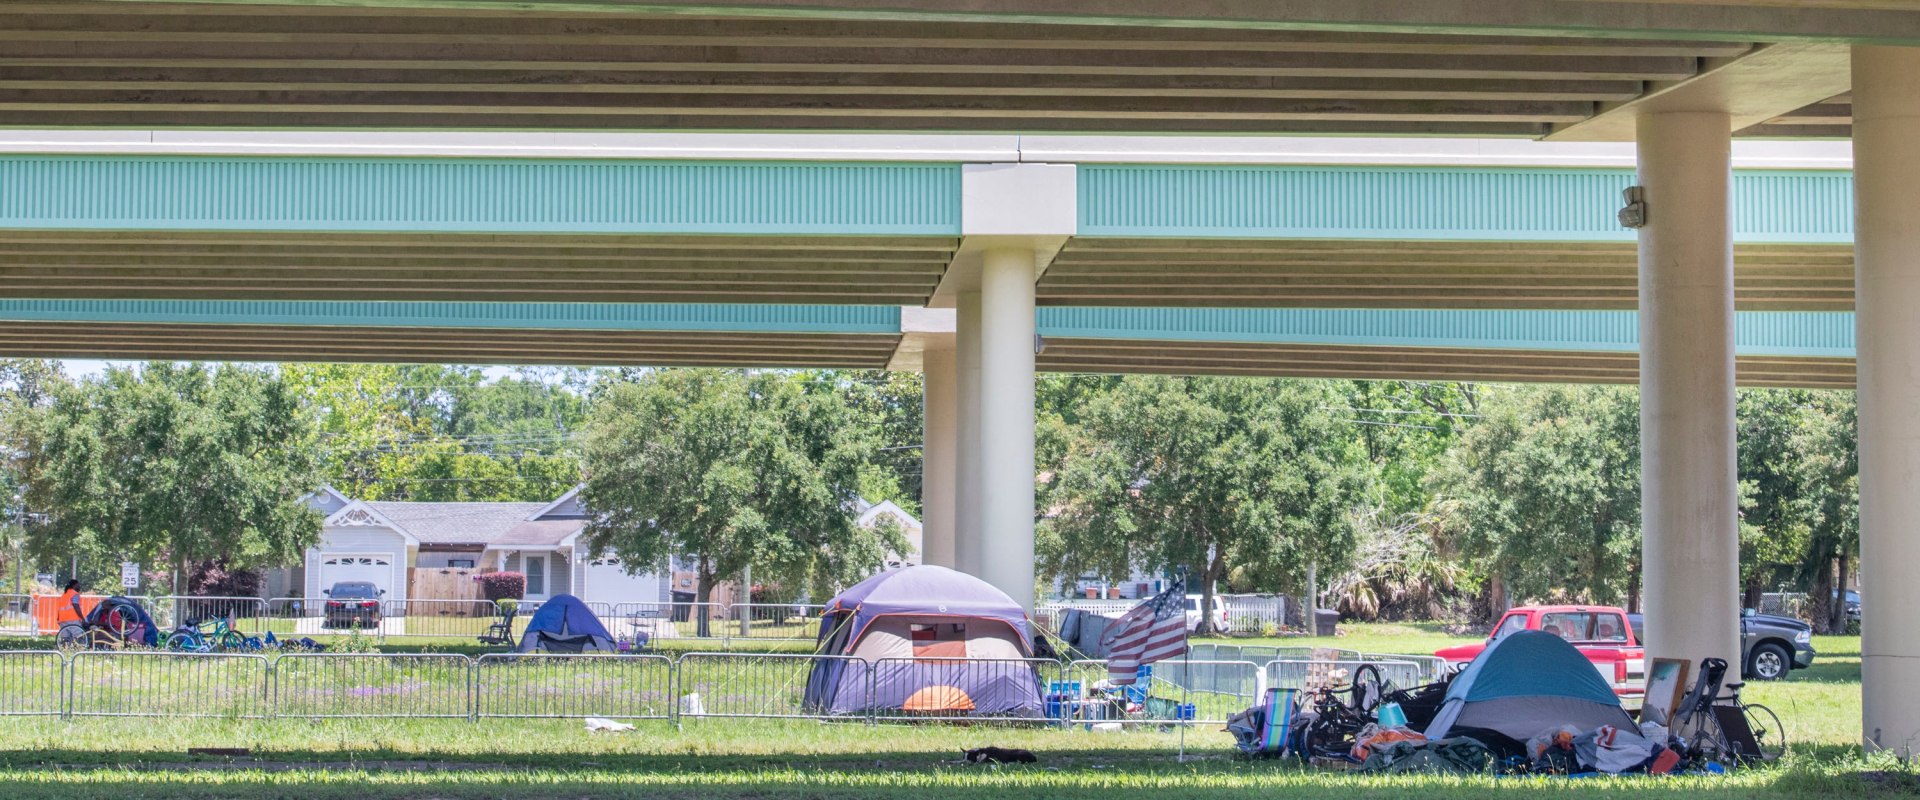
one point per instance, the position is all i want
(1149, 632)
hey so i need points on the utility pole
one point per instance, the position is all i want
(19, 545)
(746, 591)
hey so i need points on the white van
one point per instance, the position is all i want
(1219, 614)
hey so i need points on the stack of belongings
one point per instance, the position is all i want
(1265, 730)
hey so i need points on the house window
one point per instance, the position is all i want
(453, 563)
(536, 575)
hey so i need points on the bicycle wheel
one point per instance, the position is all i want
(70, 634)
(1368, 688)
(1707, 741)
(1767, 730)
(231, 641)
(184, 642)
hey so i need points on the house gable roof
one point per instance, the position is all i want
(360, 514)
(540, 533)
(326, 500)
(477, 524)
(871, 514)
(567, 506)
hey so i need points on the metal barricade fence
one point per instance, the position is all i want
(774, 620)
(615, 687)
(295, 617)
(448, 618)
(959, 689)
(1296, 674)
(16, 615)
(248, 614)
(1432, 668)
(158, 684)
(663, 620)
(1213, 689)
(763, 684)
(372, 685)
(33, 683)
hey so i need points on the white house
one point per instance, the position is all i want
(872, 513)
(381, 542)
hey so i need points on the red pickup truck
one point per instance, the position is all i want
(1600, 632)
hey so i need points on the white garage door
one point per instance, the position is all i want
(338, 567)
(608, 582)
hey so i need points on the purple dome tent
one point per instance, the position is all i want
(907, 631)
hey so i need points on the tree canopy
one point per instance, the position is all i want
(444, 433)
(1545, 491)
(730, 470)
(1206, 474)
(172, 464)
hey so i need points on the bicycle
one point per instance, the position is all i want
(191, 637)
(1723, 728)
(1340, 712)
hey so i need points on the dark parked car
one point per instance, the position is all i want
(1770, 646)
(353, 604)
(1853, 605)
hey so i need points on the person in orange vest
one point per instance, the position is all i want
(69, 609)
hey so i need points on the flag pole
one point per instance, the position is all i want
(1186, 674)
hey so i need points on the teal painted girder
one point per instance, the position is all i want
(1433, 203)
(477, 195)
(743, 317)
(1774, 333)
(1797, 333)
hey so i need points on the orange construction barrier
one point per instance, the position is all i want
(47, 608)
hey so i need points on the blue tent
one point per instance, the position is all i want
(1526, 683)
(565, 625)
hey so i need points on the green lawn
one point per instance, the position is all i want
(119, 759)
(310, 759)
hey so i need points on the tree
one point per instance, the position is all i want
(730, 470)
(1406, 428)
(1544, 492)
(444, 433)
(25, 385)
(173, 464)
(1204, 474)
(894, 402)
(1780, 496)
(1828, 445)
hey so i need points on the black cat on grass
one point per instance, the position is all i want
(1000, 755)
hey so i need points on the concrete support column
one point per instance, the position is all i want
(1006, 420)
(938, 456)
(1689, 501)
(968, 546)
(1886, 155)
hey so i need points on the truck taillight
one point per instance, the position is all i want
(1620, 672)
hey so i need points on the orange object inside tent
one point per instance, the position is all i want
(938, 698)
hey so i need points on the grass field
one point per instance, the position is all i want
(309, 759)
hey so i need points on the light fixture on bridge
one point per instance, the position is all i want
(1634, 215)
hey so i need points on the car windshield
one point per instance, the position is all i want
(1573, 627)
(353, 591)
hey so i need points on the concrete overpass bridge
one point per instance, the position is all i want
(1313, 267)
(1459, 271)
